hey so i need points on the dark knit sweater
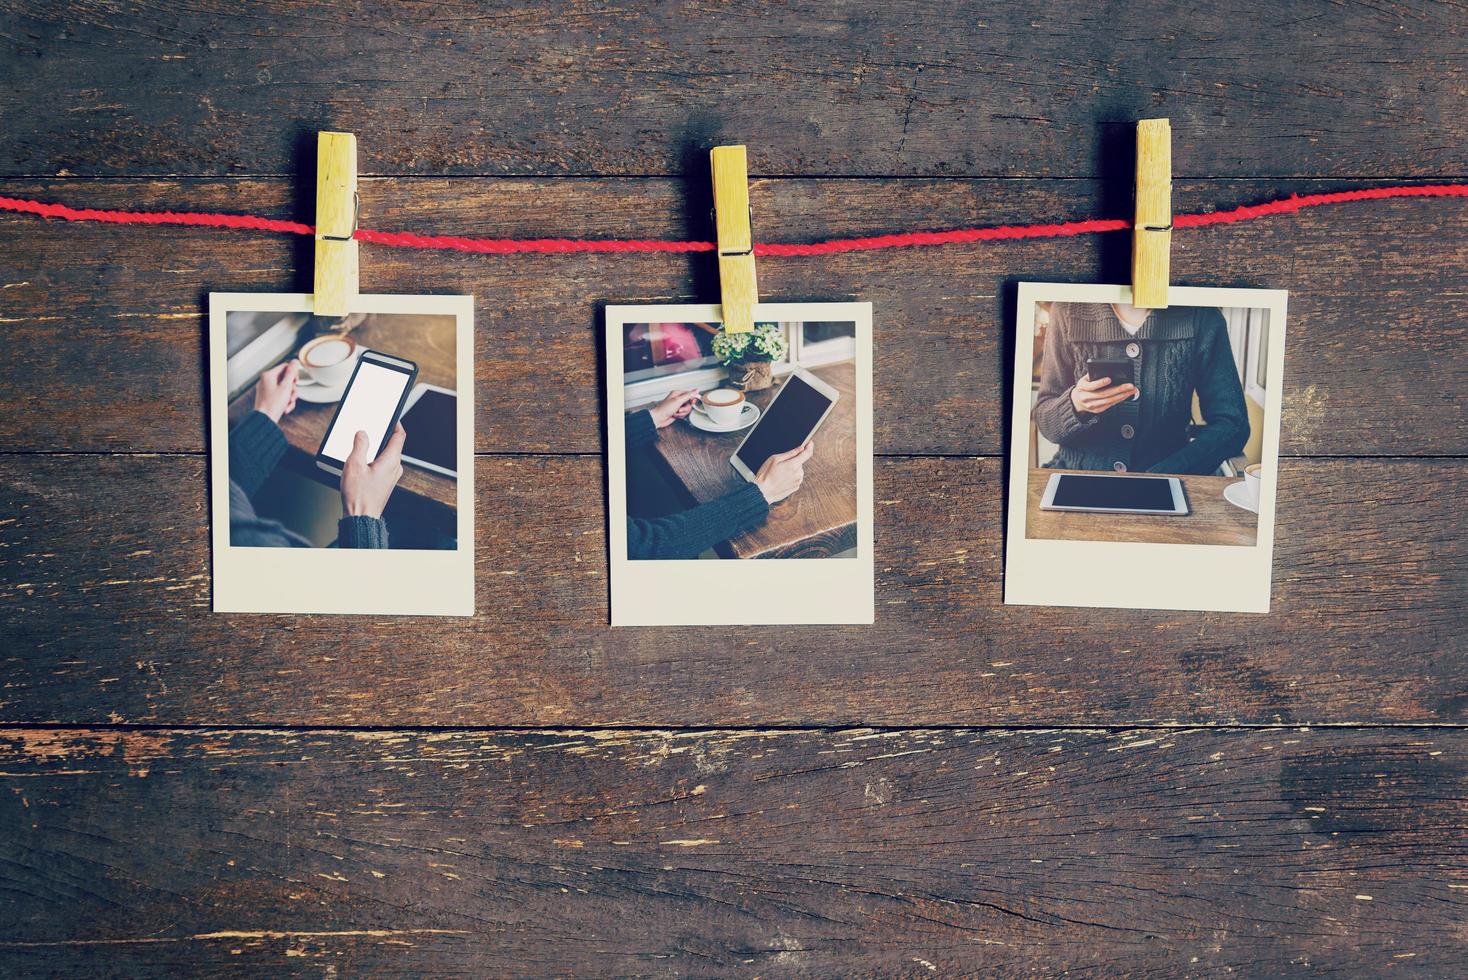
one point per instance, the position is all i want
(255, 447)
(1176, 352)
(691, 532)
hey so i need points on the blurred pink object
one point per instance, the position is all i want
(672, 342)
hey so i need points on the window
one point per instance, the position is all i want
(656, 350)
(1256, 363)
(660, 357)
(818, 343)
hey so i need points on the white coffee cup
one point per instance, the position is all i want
(722, 406)
(1252, 479)
(327, 359)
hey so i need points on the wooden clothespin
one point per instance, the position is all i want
(1152, 228)
(733, 218)
(336, 222)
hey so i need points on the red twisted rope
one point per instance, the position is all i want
(907, 239)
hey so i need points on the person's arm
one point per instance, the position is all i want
(361, 531)
(366, 488)
(689, 534)
(256, 442)
(255, 446)
(1055, 411)
(642, 427)
(641, 432)
(1221, 400)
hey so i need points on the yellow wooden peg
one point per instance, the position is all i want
(336, 221)
(1152, 228)
(738, 287)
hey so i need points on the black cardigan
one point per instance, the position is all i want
(1176, 352)
(694, 531)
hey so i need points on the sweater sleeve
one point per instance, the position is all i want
(640, 430)
(361, 532)
(255, 446)
(1055, 413)
(1221, 400)
(689, 534)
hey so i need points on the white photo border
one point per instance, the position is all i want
(1212, 578)
(312, 580)
(779, 591)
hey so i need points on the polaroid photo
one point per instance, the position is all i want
(740, 465)
(1145, 448)
(342, 455)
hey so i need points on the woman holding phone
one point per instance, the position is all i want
(1145, 424)
(689, 533)
(256, 445)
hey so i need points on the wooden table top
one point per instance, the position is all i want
(962, 788)
(427, 339)
(1211, 519)
(819, 519)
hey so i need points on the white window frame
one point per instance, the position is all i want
(1256, 355)
(1236, 321)
(823, 352)
(649, 391)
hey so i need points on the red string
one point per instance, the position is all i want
(506, 246)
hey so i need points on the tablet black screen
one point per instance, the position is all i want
(786, 423)
(1114, 493)
(432, 429)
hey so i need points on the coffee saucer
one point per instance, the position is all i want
(748, 416)
(1238, 495)
(319, 394)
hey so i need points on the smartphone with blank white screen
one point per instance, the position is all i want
(1114, 494)
(792, 417)
(431, 420)
(374, 399)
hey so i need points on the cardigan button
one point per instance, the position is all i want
(1127, 432)
(1134, 350)
(1119, 466)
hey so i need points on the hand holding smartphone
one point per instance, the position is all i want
(372, 403)
(1119, 370)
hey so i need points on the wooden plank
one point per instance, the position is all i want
(811, 853)
(1374, 363)
(1305, 87)
(105, 610)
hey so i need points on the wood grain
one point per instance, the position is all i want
(1306, 87)
(816, 851)
(819, 520)
(105, 568)
(811, 853)
(1373, 364)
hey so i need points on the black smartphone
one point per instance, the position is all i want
(1119, 371)
(373, 401)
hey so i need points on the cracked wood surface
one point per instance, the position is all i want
(818, 851)
(110, 620)
(1373, 365)
(811, 853)
(1307, 88)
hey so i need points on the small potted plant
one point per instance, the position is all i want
(748, 355)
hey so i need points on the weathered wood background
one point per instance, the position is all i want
(963, 788)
